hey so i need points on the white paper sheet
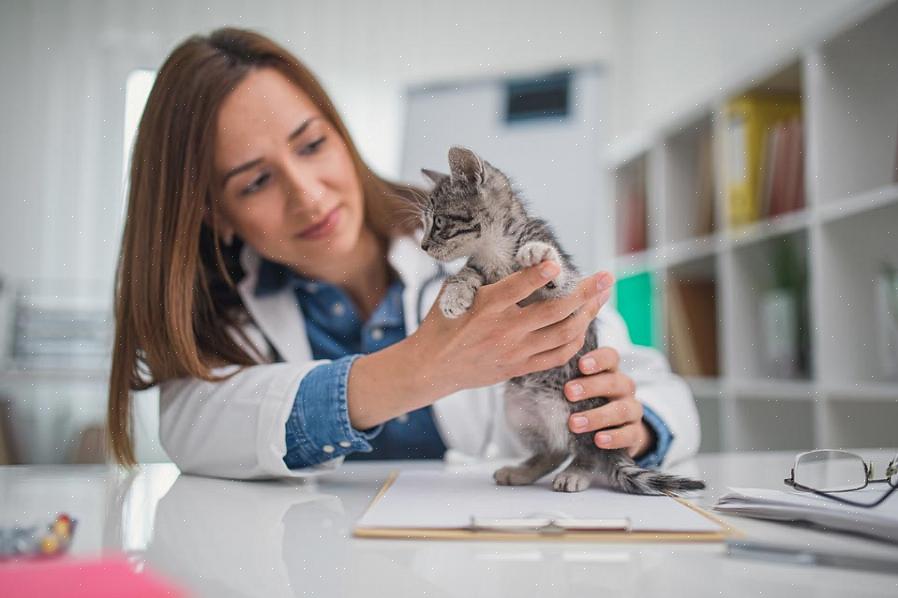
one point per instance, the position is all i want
(881, 521)
(448, 500)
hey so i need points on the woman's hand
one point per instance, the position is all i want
(496, 339)
(619, 422)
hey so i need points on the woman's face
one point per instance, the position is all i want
(289, 187)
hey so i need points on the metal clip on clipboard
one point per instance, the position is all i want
(547, 524)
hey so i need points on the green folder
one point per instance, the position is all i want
(636, 304)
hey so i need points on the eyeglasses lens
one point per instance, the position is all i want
(831, 471)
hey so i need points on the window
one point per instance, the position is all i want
(545, 97)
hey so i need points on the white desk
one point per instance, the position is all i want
(223, 538)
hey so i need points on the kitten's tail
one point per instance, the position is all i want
(626, 476)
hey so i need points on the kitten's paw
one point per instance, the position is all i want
(535, 252)
(456, 299)
(513, 475)
(570, 481)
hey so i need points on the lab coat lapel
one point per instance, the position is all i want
(277, 315)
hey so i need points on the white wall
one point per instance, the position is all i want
(64, 65)
(673, 54)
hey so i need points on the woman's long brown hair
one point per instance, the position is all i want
(176, 307)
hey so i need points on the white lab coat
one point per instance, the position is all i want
(236, 428)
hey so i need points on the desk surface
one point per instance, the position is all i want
(279, 538)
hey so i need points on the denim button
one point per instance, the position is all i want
(328, 449)
(338, 309)
(377, 334)
(345, 443)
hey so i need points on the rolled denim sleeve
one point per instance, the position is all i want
(318, 427)
(663, 438)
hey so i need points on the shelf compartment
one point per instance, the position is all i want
(689, 189)
(709, 414)
(852, 253)
(761, 149)
(631, 206)
(771, 424)
(767, 310)
(861, 424)
(690, 319)
(855, 90)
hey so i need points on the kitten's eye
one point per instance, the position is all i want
(438, 222)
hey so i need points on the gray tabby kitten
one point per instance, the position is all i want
(474, 212)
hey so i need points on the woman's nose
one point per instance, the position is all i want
(303, 187)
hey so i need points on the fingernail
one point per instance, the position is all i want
(587, 365)
(579, 422)
(603, 438)
(604, 282)
(576, 389)
(548, 270)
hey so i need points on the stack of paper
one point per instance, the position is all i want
(880, 521)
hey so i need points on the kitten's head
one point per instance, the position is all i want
(463, 206)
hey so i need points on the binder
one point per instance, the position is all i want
(749, 121)
(436, 494)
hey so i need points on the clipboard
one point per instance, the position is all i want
(551, 525)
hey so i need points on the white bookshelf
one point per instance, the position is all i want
(847, 76)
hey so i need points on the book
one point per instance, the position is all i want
(631, 210)
(692, 317)
(880, 522)
(704, 200)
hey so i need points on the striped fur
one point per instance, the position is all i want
(474, 212)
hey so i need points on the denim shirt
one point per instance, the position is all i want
(318, 428)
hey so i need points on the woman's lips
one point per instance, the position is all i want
(323, 227)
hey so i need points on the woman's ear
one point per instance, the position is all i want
(217, 222)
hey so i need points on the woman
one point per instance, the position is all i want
(268, 285)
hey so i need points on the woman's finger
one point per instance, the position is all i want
(563, 332)
(614, 413)
(602, 359)
(519, 285)
(545, 313)
(607, 384)
(623, 437)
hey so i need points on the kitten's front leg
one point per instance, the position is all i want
(536, 252)
(458, 296)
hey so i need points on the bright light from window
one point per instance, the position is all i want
(137, 90)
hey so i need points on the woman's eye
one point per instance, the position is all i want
(312, 147)
(257, 184)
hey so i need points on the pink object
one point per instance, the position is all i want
(77, 578)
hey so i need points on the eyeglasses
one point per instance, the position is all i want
(827, 472)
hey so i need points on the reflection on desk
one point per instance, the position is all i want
(293, 538)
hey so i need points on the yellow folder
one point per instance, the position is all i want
(748, 119)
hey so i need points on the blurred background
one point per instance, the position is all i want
(733, 162)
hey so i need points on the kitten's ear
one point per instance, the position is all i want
(436, 177)
(465, 164)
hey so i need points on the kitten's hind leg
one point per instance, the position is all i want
(577, 476)
(530, 470)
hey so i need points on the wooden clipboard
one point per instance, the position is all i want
(726, 530)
